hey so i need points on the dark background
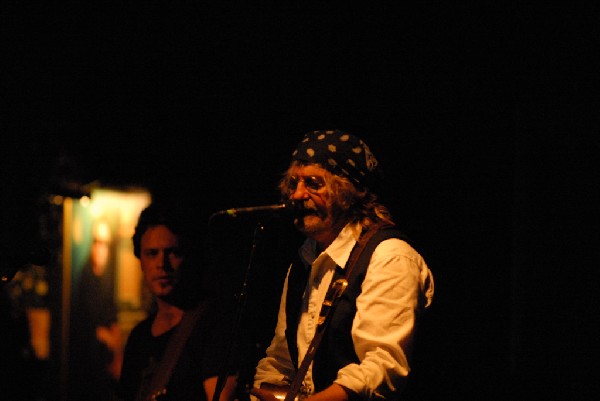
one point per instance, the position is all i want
(485, 120)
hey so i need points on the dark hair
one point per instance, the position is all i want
(191, 287)
(162, 214)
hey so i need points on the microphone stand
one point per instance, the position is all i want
(242, 297)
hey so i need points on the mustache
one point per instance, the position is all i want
(307, 207)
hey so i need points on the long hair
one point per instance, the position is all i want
(360, 205)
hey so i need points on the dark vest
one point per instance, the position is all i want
(336, 349)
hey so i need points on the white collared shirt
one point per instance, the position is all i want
(397, 285)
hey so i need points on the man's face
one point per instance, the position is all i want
(308, 185)
(160, 258)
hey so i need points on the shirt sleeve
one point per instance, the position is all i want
(385, 320)
(276, 367)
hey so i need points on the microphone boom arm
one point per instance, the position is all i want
(233, 212)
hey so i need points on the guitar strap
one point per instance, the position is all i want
(158, 384)
(335, 291)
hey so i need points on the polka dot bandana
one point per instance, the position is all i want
(339, 152)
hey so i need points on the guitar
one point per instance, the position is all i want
(272, 392)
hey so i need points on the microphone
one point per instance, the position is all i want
(286, 207)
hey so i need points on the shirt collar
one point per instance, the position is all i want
(339, 250)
